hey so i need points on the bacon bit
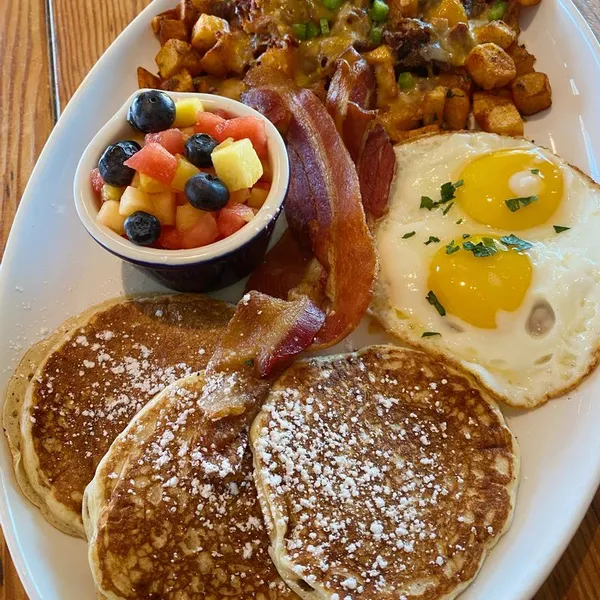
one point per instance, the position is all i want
(323, 204)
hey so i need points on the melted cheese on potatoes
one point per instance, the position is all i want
(478, 272)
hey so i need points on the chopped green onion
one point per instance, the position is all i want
(311, 30)
(466, 235)
(332, 4)
(560, 228)
(460, 222)
(430, 334)
(447, 209)
(451, 248)
(497, 11)
(432, 240)
(324, 26)
(299, 30)
(406, 81)
(535, 171)
(515, 242)
(427, 202)
(408, 235)
(432, 299)
(483, 249)
(379, 11)
(376, 34)
(514, 204)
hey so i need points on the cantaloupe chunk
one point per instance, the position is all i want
(237, 165)
(257, 198)
(110, 216)
(134, 199)
(111, 192)
(164, 206)
(187, 216)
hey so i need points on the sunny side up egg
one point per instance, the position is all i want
(490, 255)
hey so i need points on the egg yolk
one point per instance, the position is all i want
(475, 288)
(492, 179)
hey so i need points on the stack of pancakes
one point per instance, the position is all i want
(381, 474)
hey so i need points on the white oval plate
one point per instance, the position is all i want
(52, 269)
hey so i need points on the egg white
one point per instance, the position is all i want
(521, 369)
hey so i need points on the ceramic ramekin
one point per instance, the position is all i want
(200, 269)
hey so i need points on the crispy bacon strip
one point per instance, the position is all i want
(323, 204)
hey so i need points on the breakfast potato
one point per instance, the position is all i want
(433, 105)
(387, 86)
(490, 66)
(180, 82)
(528, 2)
(401, 117)
(400, 9)
(532, 93)
(457, 109)
(231, 54)
(524, 61)
(206, 84)
(483, 102)
(496, 32)
(188, 13)
(147, 79)
(231, 88)
(458, 79)
(171, 29)
(171, 15)
(280, 59)
(413, 134)
(206, 31)
(503, 119)
(176, 55)
(381, 55)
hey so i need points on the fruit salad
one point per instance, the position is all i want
(196, 177)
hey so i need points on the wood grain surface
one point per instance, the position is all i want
(34, 87)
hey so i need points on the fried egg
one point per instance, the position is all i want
(490, 255)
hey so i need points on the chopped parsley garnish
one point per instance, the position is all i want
(447, 193)
(514, 204)
(535, 171)
(560, 228)
(466, 235)
(451, 248)
(515, 242)
(447, 209)
(249, 362)
(459, 222)
(432, 240)
(430, 334)
(408, 235)
(432, 299)
(486, 247)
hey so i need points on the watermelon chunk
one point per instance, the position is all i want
(204, 232)
(155, 161)
(252, 128)
(221, 113)
(172, 140)
(209, 123)
(233, 217)
(96, 180)
(170, 239)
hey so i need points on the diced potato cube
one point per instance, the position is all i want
(497, 32)
(528, 2)
(258, 195)
(237, 165)
(451, 10)
(401, 116)
(180, 82)
(433, 105)
(490, 66)
(147, 79)
(164, 205)
(109, 216)
(172, 29)
(457, 109)
(158, 19)
(186, 111)
(532, 93)
(206, 31)
(110, 192)
(176, 55)
(524, 61)
(188, 13)
(382, 54)
(413, 134)
(503, 120)
(134, 199)
(187, 216)
(387, 86)
(151, 185)
(185, 170)
(280, 59)
(402, 8)
(483, 102)
(232, 88)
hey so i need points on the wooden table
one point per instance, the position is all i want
(46, 48)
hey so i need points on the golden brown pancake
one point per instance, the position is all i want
(170, 516)
(90, 384)
(382, 474)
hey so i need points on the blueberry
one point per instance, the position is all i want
(151, 112)
(198, 149)
(206, 192)
(111, 166)
(142, 228)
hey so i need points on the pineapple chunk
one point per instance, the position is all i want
(110, 217)
(134, 199)
(224, 144)
(110, 192)
(237, 165)
(151, 185)
(187, 216)
(258, 196)
(186, 111)
(206, 30)
(185, 170)
(164, 205)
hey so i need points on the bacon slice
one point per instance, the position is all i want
(323, 205)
